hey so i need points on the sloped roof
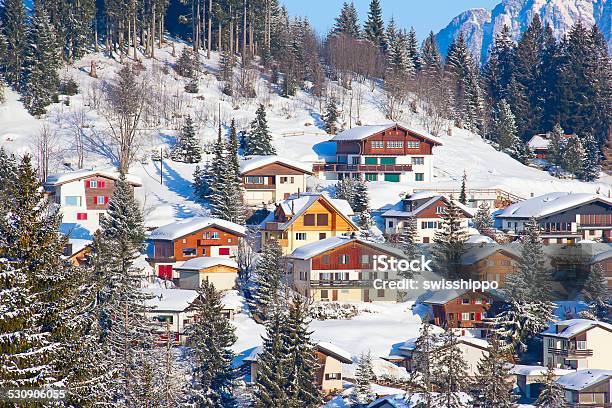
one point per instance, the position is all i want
(296, 205)
(337, 352)
(550, 203)
(527, 370)
(316, 248)
(250, 163)
(169, 300)
(397, 210)
(187, 226)
(478, 252)
(113, 174)
(77, 245)
(575, 327)
(442, 297)
(538, 142)
(204, 262)
(582, 379)
(601, 256)
(363, 132)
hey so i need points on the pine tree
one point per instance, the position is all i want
(364, 375)
(259, 139)
(365, 223)
(462, 193)
(430, 57)
(450, 373)
(374, 28)
(493, 373)
(187, 149)
(346, 190)
(201, 183)
(330, 118)
(590, 168)
(211, 336)
(595, 292)
(552, 394)
(574, 155)
(407, 243)
(482, 219)
(556, 146)
(412, 50)
(228, 61)
(424, 361)
(41, 65)
(268, 279)
(347, 23)
(360, 201)
(449, 239)
(497, 72)
(188, 64)
(15, 32)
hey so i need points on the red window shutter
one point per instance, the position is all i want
(81, 216)
(102, 183)
(165, 271)
(459, 301)
(105, 200)
(87, 184)
(224, 251)
(478, 317)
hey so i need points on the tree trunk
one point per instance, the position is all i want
(134, 37)
(219, 39)
(244, 32)
(209, 28)
(152, 39)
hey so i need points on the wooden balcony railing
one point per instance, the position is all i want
(571, 352)
(336, 283)
(596, 220)
(273, 226)
(361, 168)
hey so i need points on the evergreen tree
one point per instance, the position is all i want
(232, 152)
(346, 190)
(424, 361)
(360, 201)
(188, 64)
(556, 146)
(374, 29)
(364, 375)
(552, 395)
(267, 280)
(505, 133)
(259, 139)
(412, 49)
(430, 57)
(482, 219)
(211, 336)
(347, 23)
(15, 30)
(228, 62)
(331, 116)
(462, 193)
(187, 149)
(449, 239)
(450, 372)
(493, 373)
(590, 167)
(595, 292)
(407, 242)
(365, 223)
(201, 183)
(574, 155)
(497, 72)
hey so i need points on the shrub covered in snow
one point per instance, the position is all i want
(336, 311)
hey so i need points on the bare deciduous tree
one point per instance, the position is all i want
(46, 148)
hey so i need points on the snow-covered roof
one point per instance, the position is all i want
(538, 142)
(188, 226)
(410, 344)
(338, 352)
(398, 211)
(582, 379)
(113, 174)
(297, 204)
(529, 370)
(477, 252)
(77, 245)
(318, 247)
(550, 203)
(250, 163)
(479, 239)
(574, 327)
(204, 262)
(601, 256)
(254, 355)
(169, 300)
(231, 299)
(363, 132)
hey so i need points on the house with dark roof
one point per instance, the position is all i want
(428, 208)
(387, 152)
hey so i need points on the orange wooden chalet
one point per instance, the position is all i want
(173, 244)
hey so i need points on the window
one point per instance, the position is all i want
(101, 200)
(378, 144)
(388, 160)
(418, 160)
(439, 210)
(413, 145)
(215, 235)
(322, 219)
(390, 224)
(429, 224)
(465, 301)
(81, 216)
(395, 144)
(93, 183)
(325, 260)
(451, 316)
(419, 177)
(478, 301)
(581, 345)
(164, 319)
(254, 180)
(324, 294)
(285, 180)
(309, 220)
(184, 241)
(380, 293)
(206, 235)
(322, 235)
(189, 252)
(465, 316)
(371, 177)
(224, 251)
(343, 259)
(204, 251)
(300, 236)
(371, 160)
(392, 177)
(365, 259)
(333, 376)
(73, 201)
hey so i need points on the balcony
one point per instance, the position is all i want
(361, 168)
(595, 220)
(333, 283)
(571, 353)
(273, 226)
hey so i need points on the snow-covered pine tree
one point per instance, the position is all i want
(273, 363)
(228, 61)
(504, 127)
(345, 190)
(302, 363)
(201, 183)
(574, 155)
(211, 336)
(497, 72)
(362, 393)
(552, 394)
(365, 223)
(407, 243)
(462, 193)
(188, 64)
(556, 146)
(232, 153)
(412, 49)
(187, 149)
(361, 201)
(482, 219)
(449, 240)
(267, 281)
(374, 28)
(41, 64)
(450, 373)
(595, 292)
(424, 361)
(330, 118)
(590, 168)
(494, 389)
(15, 30)
(347, 23)
(2, 58)
(259, 140)
(8, 170)
(431, 61)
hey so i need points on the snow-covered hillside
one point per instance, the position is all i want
(480, 26)
(295, 123)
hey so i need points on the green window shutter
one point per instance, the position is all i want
(387, 160)
(419, 177)
(394, 177)
(371, 160)
(371, 176)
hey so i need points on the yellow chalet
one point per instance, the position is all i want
(305, 218)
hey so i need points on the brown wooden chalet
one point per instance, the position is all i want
(489, 262)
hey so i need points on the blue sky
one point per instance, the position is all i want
(424, 15)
